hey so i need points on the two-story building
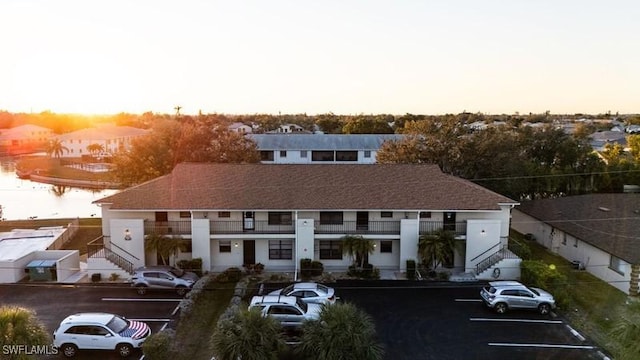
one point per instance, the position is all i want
(320, 148)
(232, 214)
(112, 138)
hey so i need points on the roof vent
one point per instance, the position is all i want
(602, 208)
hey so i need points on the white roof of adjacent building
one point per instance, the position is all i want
(103, 132)
(17, 243)
(322, 141)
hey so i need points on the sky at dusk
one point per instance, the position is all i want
(314, 57)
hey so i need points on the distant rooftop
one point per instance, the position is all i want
(322, 141)
(17, 243)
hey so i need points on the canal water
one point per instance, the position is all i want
(25, 199)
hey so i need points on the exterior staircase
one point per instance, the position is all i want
(501, 265)
(102, 259)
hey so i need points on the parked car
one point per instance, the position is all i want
(288, 310)
(163, 277)
(99, 331)
(504, 295)
(309, 292)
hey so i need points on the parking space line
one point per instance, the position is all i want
(175, 311)
(557, 346)
(517, 320)
(150, 320)
(141, 300)
(468, 300)
(575, 333)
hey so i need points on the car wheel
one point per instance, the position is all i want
(501, 308)
(141, 289)
(181, 290)
(544, 309)
(69, 350)
(124, 350)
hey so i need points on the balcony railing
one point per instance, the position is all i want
(356, 227)
(427, 227)
(254, 226)
(182, 227)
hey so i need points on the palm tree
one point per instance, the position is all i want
(19, 326)
(165, 246)
(626, 329)
(357, 248)
(55, 148)
(177, 108)
(436, 248)
(342, 332)
(247, 335)
(95, 149)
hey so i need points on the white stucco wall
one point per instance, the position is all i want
(408, 242)
(481, 235)
(135, 246)
(200, 242)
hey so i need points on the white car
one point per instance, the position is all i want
(309, 292)
(99, 331)
(288, 310)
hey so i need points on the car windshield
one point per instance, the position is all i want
(118, 324)
(177, 272)
(287, 290)
(301, 304)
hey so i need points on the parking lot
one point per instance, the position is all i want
(53, 303)
(413, 320)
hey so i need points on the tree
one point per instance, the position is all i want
(436, 248)
(95, 149)
(165, 246)
(358, 248)
(367, 125)
(19, 326)
(247, 335)
(627, 330)
(342, 332)
(55, 148)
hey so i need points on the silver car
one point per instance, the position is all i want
(163, 277)
(309, 292)
(288, 310)
(504, 295)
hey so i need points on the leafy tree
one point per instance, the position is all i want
(357, 248)
(367, 125)
(627, 330)
(165, 246)
(634, 147)
(55, 148)
(95, 149)
(343, 332)
(410, 150)
(329, 123)
(247, 335)
(436, 248)
(19, 326)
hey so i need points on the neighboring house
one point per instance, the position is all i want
(112, 138)
(24, 139)
(240, 128)
(600, 139)
(289, 129)
(320, 148)
(600, 231)
(234, 214)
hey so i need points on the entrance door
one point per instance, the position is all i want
(249, 252)
(449, 221)
(248, 223)
(362, 220)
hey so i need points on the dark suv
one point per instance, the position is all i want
(163, 277)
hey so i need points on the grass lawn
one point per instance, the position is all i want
(593, 306)
(53, 167)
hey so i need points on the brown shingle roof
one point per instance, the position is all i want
(207, 186)
(610, 222)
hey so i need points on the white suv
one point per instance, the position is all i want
(504, 295)
(99, 331)
(288, 310)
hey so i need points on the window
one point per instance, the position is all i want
(266, 155)
(280, 249)
(367, 154)
(303, 153)
(283, 153)
(386, 246)
(188, 247)
(330, 218)
(616, 264)
(425, 215)
(564, 239)
(575, 242)
(322, 156)
(346, 156)
(386, 214)
(331, 249)
(224, 214)
(279, 218)
(185, 214)
(225, 246)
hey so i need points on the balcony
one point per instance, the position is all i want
(355, 227)
(427, 227)
(254, 226)
(182, 227)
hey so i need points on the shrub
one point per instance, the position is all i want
(234, 274)
(96, 277)
(306, 271)
(317, 268)
(158, 345)
(368, 271)
(193, 265)
(520, 248)
(537, 273)
(114, 277)
(411, 269)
